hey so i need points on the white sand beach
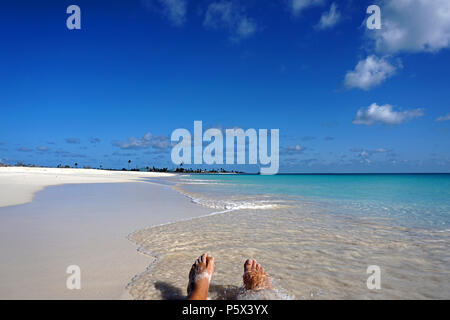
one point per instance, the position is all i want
(19, 184)
(52, 218)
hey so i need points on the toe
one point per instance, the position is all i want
(210, 264)
(247, 265)
(202, 258)
(253, 264)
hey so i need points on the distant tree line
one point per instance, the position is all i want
(221, 170)
(146, 169)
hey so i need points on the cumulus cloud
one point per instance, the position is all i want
(42, 148)
(174, 10)
(384, 114)
(296, 149)
(329, 18)
(147, 141)
(412, 26)
(444, 118)
(94, 140)
(160, 142)
(407, 26)
(73, 140)
(68, 154)
(226, 15)
(297, 6)
(369, 73)
(366, 154)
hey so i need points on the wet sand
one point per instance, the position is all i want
(85, 225)
(310, 254)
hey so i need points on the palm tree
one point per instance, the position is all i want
(129, 161)
(76, 164)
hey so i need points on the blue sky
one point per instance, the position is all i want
(345, 98)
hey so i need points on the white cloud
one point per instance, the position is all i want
(226, 15)
(369, 73)
(384, 114)
(297, 6)
(67, 154)
(407, 26)
(329, 18)
(296, 148)
(293, 150)
(365, 155)
(444, 118)
(42, 148)
(246, 28)
(73, 140)
(174, 10)
(157, 142)
(413, 26)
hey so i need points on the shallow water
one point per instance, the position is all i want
(313, 247)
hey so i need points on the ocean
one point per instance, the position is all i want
(316, 235)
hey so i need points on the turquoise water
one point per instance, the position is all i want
(315, 235)
(413, 200)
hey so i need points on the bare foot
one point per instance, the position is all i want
(255, 278)
(200, 277)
